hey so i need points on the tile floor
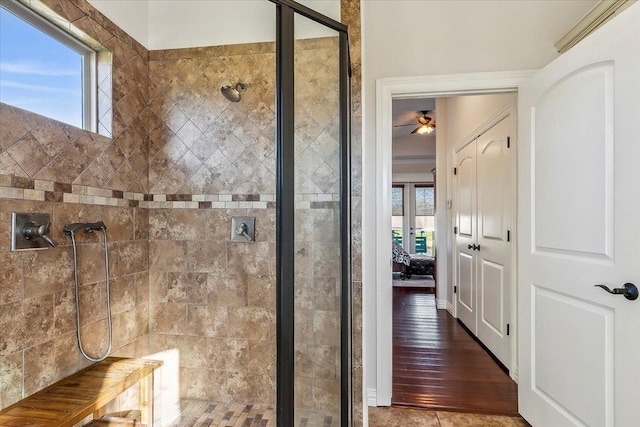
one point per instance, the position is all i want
(405, 417)
(199, 413)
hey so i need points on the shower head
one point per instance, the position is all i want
(233, 93)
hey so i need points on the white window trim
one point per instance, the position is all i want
(89, 68)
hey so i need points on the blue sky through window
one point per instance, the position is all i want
(39, 73)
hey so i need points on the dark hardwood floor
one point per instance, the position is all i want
(438, 365)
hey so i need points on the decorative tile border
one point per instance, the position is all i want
(15, 187)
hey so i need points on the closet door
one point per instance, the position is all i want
(493, 257)
(465, 197)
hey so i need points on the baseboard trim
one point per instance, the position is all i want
(441, 304)
(371, 397)
(450, 308)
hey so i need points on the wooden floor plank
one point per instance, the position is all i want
(438, 365)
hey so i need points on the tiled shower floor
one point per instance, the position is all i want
(202, 413)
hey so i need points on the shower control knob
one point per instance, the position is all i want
(242, 229)
(34, 231)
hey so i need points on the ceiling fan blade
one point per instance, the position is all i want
(416, 130)
(423, 120)
(410, 124)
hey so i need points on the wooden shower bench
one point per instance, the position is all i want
(84, 393)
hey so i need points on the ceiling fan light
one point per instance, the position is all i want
(425, 129)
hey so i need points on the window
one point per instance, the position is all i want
(424, 219)
(397, 212)
(44, 69)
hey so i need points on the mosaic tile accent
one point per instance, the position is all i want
(202, 413)
(16, 187)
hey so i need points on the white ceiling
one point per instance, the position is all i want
(407, 147)
(173, 24)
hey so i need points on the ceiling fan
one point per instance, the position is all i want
(425, 123)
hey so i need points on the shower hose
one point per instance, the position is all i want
(71, 229)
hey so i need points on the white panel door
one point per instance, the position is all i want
(493, 255)
(579, 225)
(466, 208)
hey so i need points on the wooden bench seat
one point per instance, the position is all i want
(72, 399)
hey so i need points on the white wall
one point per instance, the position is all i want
(420, 38)
(173, 24)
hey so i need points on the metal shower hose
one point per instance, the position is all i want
(77, 294)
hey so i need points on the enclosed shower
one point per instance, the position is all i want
(205, 224)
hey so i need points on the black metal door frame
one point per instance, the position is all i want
(285, 212)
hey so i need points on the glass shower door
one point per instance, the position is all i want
(313, 262)
(317, 224)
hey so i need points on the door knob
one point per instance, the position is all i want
(471, 247)
(474, 247)
(628, 290)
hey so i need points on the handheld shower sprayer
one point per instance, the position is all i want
(90, 227)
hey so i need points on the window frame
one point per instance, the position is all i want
(88, 55)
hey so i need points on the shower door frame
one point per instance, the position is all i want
(285, 212)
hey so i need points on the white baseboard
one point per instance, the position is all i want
(450, 308)
(514, 374)
(372, 400)
(441, 304)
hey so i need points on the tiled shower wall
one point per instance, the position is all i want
(214, 299)
(210, 298)
(75, 176)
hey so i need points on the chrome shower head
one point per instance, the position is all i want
(233, 93)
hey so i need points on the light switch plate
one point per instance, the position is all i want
(237, 222)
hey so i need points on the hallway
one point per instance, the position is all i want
(438, 365)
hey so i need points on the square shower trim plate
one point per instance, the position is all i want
(18, 240)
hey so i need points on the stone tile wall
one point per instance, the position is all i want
(203, 286)
(185, 281)
(33, 146)
(214, 300)
(201, 143)
(37, 312)
(50, 167)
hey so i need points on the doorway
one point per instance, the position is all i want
(418, 328)
(421, 87)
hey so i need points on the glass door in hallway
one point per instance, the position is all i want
(413, 217)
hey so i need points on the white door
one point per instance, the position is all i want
(579, 226)
(493, 253)
(465, 198)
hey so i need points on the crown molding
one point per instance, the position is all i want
(594, 19)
